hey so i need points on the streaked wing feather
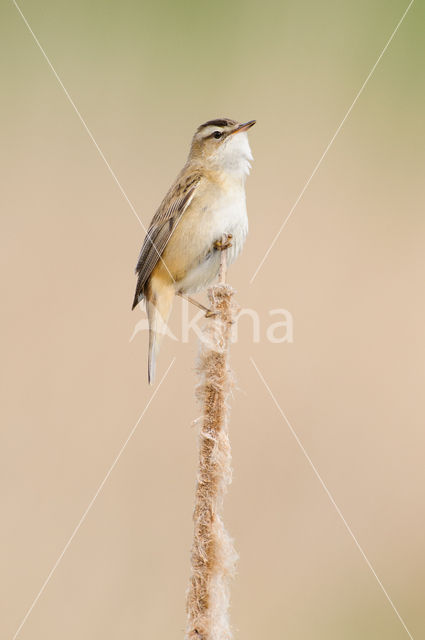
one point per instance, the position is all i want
(162, 227)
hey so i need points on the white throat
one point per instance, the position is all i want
(234, 156)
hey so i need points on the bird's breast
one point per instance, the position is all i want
(190, 253)
(228, 215)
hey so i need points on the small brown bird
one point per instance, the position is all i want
(181, 251)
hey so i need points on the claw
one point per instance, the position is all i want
(222, 245)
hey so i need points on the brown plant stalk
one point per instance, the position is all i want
(213, 556)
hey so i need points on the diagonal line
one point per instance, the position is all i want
(91, 136)
(322, 157)
(91, 503)
(328, 493)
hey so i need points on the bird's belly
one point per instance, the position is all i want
(226, 216)
(201, 275)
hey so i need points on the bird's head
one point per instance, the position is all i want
(222, 144)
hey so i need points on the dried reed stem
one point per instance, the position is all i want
(213, 556)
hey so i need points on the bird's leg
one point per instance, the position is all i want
(209, 313)
(224, 243)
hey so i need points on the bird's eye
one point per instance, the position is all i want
(217, 134)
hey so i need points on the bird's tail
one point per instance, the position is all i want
(158, 307)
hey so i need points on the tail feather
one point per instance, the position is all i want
(158, 307)
(151, 363)
(153, 351)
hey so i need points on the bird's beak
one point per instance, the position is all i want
(243, 127)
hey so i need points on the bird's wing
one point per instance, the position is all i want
(163, 226)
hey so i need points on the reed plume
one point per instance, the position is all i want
(213, 557)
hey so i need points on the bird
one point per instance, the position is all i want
(203, 213)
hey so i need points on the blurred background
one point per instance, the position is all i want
(349, 266)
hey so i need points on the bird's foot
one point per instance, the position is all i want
(223, 244)
(209, 313)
